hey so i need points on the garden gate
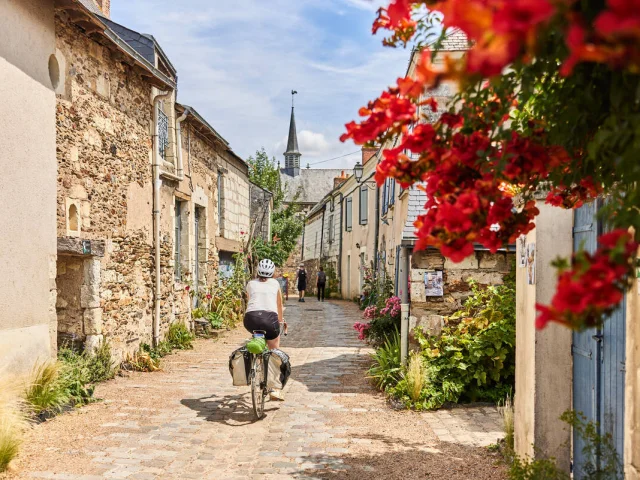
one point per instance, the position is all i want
(598, 358)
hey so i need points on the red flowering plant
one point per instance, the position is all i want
(547, 101)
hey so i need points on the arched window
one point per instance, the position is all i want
(74, 218)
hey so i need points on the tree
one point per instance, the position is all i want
(549, 101)
(286, 224)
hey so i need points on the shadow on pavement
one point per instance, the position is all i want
(231, 410)
(343, 373)
(441, 462)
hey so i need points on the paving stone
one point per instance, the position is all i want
(207, 430)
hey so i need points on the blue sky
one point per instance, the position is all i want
(238, 61)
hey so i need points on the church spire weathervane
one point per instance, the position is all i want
(292, 155)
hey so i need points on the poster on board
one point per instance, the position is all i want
(433, 284)
(531, 264)
(522, 251)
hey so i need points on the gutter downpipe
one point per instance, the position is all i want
(403, 285)
(180, 169)
(157, 182)
(377, 232)
(340, 251)
(324, 209)
(304, 227)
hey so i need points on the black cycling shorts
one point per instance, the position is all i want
(263, 320)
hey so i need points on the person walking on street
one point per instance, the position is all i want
(322, 282)
(301, 278)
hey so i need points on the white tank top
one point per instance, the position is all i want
(263, 295)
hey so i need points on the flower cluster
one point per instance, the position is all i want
(362, 329)
(370, 312)
(575, 196)
(465, 170)
(392, 307)
(594, 285)
(482, 162)
(505, 31)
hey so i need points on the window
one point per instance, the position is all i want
(388, 194)
(220, 202)
(177, 242)
(348, 217)
(332, 230)
(163, 133)
(74, 218)
(385, 204)
(364, 205)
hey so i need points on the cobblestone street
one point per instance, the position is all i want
(189, 422)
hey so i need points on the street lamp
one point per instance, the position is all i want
(358, 169)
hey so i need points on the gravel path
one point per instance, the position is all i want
(189, 422)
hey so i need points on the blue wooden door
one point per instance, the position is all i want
(598, 358)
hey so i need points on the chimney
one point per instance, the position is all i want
(367, 154)
(104, 6)
(337, 181)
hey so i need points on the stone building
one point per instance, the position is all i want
(151, 199)
(29, 77)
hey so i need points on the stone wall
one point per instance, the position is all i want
(104, 121)
(484, 267)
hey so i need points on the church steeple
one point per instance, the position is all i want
(292, 155)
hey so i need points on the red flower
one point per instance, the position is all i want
(595, 284)
(187, 288)
(468, 203)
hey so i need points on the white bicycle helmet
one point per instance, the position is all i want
(266, 268)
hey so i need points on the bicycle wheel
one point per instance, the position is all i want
(257, 386)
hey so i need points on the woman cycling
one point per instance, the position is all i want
(264, 304)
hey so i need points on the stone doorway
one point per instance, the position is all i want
(78, 306)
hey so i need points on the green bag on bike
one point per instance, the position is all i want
(257, 345)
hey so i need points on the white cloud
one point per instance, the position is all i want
(312, 143)
(238, 61)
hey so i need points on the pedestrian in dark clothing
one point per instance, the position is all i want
(302, 281)
(322, 281)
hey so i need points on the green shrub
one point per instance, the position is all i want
(474, 357)
(602, 459)
(215, 320)
(94, 367)
(46, 393)
(376, 289)
(386, 369)
(179, 337)
(538, 469)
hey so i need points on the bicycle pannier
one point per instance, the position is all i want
(240, 366)
(278, 369)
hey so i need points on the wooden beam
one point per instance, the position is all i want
(89, 27)
(78, 246)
